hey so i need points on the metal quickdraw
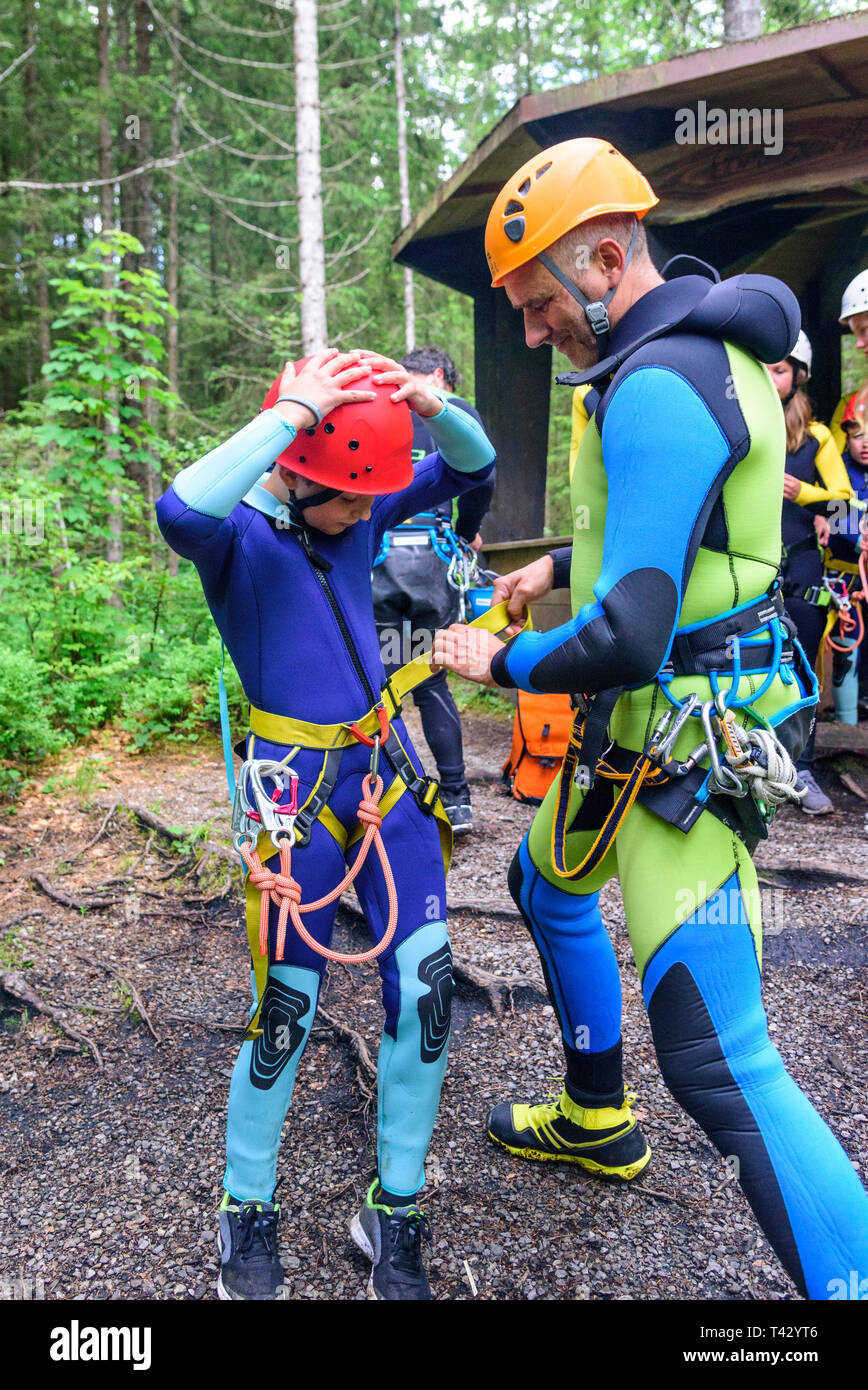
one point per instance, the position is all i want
(256, 811)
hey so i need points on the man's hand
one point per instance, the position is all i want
(468, 651)
(325, 380)
(522, 587)
(822, 528)
(792, 487)
(418, 397)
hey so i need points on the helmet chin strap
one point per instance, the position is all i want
(595, 310)
(316, 499)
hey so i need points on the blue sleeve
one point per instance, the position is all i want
(193, 513)
(665, 456)
(463, 460)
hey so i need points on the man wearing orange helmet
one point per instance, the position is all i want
(285, 562)
(693, 696)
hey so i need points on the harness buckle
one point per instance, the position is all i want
(426, 792)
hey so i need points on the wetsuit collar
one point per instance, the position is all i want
(264, 501)
(685, 283)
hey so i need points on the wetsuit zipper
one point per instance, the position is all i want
(345, 634)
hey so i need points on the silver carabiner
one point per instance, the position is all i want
(265, 805)
(665, 735)
(723, 778)
(375, 758)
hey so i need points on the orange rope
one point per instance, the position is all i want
(284, 891)
(846, 622)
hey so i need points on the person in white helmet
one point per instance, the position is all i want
(853, 317)
(814, 476)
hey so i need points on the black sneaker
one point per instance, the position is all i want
(458, 812)
(247, 1241)
(391, 1237)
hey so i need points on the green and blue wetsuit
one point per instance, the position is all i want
(676, 493)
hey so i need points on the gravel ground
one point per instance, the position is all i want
(109, 1179)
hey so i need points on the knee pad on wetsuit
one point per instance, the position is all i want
(263, 1080)
(417, 993)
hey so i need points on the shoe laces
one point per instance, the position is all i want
(406, 1233)
(257, 1232)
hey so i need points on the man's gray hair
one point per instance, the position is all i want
(574, 251)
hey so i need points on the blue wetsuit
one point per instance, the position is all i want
(283, 627)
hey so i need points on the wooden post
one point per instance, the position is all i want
(512, 395)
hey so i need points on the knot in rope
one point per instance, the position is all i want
(369, 813)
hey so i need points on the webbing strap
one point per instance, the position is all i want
(225, 735)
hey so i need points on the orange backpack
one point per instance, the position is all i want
(539, 741)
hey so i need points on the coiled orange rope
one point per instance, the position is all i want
(284, 891)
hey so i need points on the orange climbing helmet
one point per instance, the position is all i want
(556, 190)
(361, 447)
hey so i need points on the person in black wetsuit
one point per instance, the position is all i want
(410, 585)
(813, 477)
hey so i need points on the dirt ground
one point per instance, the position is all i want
(109, 1177)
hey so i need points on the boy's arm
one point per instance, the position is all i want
(192, 512)
(623, 636)
(463, 460)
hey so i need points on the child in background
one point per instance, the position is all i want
(843, 547)
(814, 477)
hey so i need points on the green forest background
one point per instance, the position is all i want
(148, 292)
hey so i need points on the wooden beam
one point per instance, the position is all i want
(512, 396)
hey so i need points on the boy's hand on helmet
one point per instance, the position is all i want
(327, 380)
(468, 651)
(388, 373)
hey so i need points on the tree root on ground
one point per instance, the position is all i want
(366, 1071)
(465, 972)
(16, 986)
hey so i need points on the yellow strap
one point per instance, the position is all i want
(279, 728)
(496, 620)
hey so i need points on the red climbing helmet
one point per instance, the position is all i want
(361, 447)
(857, 409)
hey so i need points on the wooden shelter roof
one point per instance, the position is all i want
(816, 74)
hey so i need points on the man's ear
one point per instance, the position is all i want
(610, 256)
(287, 477)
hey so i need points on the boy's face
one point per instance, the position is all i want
(331, 517)
(857, 444)
(858, 325)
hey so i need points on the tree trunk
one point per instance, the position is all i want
(115, 544)
(314, 330)
(742, 19)
(404, 181)
(31, 117)
(172, 264)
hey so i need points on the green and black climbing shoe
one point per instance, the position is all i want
(607, 1142)
(391, 1237)
(247, 1240)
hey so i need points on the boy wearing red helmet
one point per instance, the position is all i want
(285, 564)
